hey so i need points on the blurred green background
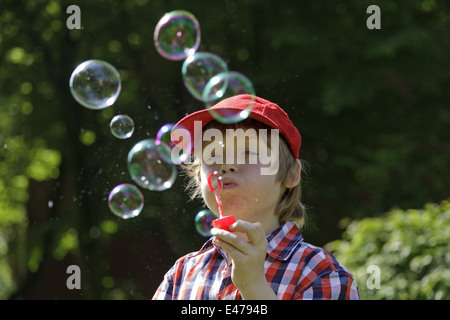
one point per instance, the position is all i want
(372, 107)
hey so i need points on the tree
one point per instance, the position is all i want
(371, 105)
(408, 248)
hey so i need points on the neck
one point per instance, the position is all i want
(269, 224)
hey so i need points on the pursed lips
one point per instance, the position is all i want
(228, 183)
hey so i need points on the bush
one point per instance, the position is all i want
(404, 254)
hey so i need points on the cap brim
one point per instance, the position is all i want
(205, 116)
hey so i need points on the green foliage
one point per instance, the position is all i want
(411, 248)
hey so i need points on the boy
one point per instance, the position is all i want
(264, 256)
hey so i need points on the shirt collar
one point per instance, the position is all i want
(210, 245)
(284, 240)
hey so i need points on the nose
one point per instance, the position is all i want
(228, 168)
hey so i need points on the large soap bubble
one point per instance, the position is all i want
(95, 84)
(198, 69)
(225, 85)
(150, 166)
(177, 35)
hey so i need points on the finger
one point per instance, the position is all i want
(254, 231)
(235, 254)
(232, 239)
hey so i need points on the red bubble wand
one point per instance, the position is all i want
(223, 222)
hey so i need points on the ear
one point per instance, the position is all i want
(293, 178)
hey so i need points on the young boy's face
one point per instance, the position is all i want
(246, 193)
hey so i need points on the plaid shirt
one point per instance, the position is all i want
(294, 270)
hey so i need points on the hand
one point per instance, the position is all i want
(248, 258)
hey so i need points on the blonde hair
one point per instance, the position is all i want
(290, 207)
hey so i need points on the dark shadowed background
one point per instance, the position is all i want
(372, 107)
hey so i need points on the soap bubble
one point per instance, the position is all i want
(95, 84)
(177, 35)
(181, 151)
(150, 166)
(225, 85)
(198, 69)
(203, 222)
(163, 135)
(177, 156)
(126, 201)
(122, 126)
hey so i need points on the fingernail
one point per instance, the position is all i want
(213, 231)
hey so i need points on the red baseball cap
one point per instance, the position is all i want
(262, 110)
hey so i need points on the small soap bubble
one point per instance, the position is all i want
(198, 69)
(177, 35)
(126, 201)
(225, 85)
(122, 126)
(163, 135)
(95, 84)
(150, 166)
(182, 149)
(203, 222)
